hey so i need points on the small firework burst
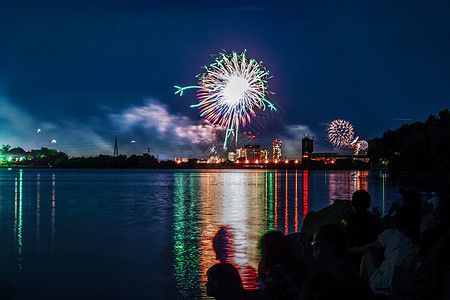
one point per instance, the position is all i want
(362, 145)
(231, 91)
(340, 133)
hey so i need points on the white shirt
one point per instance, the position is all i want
(398, 246)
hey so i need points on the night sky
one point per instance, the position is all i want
(85, 72)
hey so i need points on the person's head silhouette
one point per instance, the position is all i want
(221, 244)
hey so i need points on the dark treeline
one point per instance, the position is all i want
(419, 149)
(18, 157)
(44, 157)
(144, 161)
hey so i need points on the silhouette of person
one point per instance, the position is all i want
(224, 282)
(331, 276)
(435, 246)
(278, 269)
(398, 243)
(411, 198)
(223, 247)
(362, 226)
(222, 244)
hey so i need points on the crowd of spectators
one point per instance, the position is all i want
(402, 255)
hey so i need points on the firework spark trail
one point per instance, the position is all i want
(340, 133)
(231, 91)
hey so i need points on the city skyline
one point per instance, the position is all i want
(73, 76)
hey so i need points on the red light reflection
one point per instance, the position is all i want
(286, 207)
(276, 200)
(296, 202)
(305, 193)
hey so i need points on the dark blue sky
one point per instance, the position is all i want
(86, 72)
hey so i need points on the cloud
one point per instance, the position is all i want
(79, 138)
(19, 128)
(151, 125)
(13, 119)
(174, 134)
(298, 130)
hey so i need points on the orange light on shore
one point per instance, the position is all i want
(266, 161)
(286, 161)
(296, 161)
(179, 161)
(237, 162)
(246, 161)
(256, 161)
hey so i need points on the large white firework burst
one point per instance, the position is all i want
(340, 133)
(231, 91)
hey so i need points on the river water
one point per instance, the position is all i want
(147, 234)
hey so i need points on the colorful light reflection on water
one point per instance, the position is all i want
(153, 230)
(247, 206)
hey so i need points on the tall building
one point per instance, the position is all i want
(277, 151)
(252, 152)
(264, 155)
(240, 154)
(231, 156)
(307, 145)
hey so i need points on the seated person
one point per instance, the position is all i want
(362, 226)
(398, 243)
(331, 277)
(411, 198)
(278, 270)
(435, 246)
(224, 282)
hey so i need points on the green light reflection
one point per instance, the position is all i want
(187, 234)
(270, 201)
(18, 219)
(384, 179)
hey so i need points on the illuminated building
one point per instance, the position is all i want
(307, 145)
(252, 152)
(231, 156)
(276, 150)
(240, 154)
(180, 160)
(264, 155)
(213, 160)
